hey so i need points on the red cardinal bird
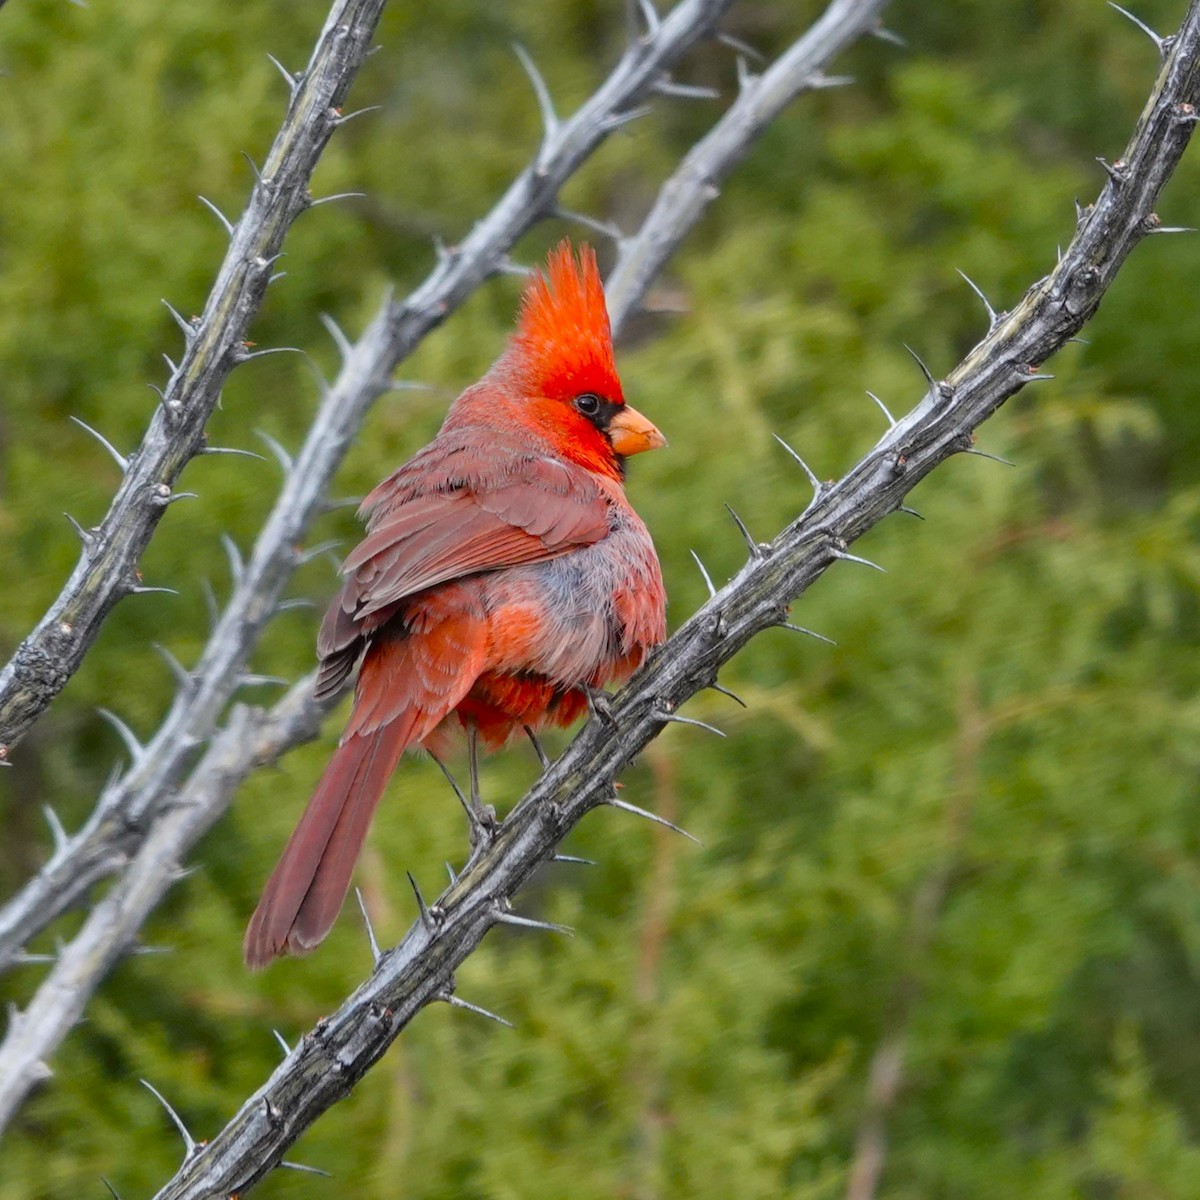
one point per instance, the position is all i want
(503, 576)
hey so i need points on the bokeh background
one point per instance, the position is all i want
(968, 834)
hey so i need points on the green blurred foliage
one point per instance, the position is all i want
(971, 824)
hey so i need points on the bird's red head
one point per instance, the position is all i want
(563, 344)
(560, 364)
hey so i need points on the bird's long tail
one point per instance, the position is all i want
(305, 892)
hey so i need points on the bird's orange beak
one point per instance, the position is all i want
(631, 433)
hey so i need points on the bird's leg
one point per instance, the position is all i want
(543, 757)
(481, 816)
(480, 826)
(600, 705)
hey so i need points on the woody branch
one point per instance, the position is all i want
(214, 343)
(125, 811)
(124, 833)
(332, 1057)
(144, 825)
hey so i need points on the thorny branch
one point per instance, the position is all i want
(213, 345)
(127, 806)
(331, 1058)
(123, 829)
(696, 183)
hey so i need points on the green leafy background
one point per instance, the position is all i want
(970, 828)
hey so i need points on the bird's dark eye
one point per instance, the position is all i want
(588, 404)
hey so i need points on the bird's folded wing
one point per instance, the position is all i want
(543, 512)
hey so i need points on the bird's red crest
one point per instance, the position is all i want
(563, 343)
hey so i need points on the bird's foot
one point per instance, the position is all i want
(600, 705)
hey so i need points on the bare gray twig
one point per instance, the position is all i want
(214, 345)
(330, 1059)
(696, 183)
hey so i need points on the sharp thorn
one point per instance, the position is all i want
(189, 1143)
(456, 1002)
(212, 208)
(808, 471)
(237, 564)
(746, 78)
(607, 228)
(210, 601)
(171, 365)
(250, 679)
(293, 81)
(756, 550)
(845, 556)
(1159, 42)
(243, 355)
(674, 718)
(118, 457)
(883, 408)
(112, 1191)
(929, 379)
(618, 120)
(625, 806)
(506, 917)
(142, 589)
(25, 959)
(358, 112)
(57, 832)
(232, 450)
(340, 340)
(716, 687)
(684, 91)
(550, 122)
(135, 748)
(88, 539)
(819, 80)
(1171, 229)
(282, 457)
(282, 1042)
(336, 196)
(994, 457)
(452, 873)
(188, 329)
(712, 591)
(371, 939)
(812, 633)
(649, 15)
(912, 512)
(294, 603)
(987, 304)
(141, 951)
(253, 167)
(311, 552)
(295, 1166)
(743, 48)
(573, 858)
(427, 918)
(887, 35)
